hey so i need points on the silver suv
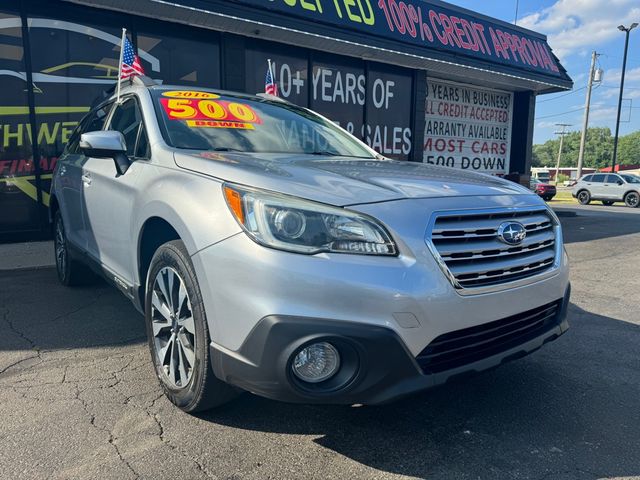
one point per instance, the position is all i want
(609, 188)
(271, 251)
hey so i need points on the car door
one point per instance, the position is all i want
(69, 177)
(109, 197)
(69, 187)
(596, 186)
(614, 187)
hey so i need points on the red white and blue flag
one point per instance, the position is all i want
(130, 61)
(270, 85)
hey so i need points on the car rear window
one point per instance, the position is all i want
(205, 120)
(631, 178)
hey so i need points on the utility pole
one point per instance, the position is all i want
(562, 133)
(626, 30)
(587, 104)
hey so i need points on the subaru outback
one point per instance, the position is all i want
(270, 251)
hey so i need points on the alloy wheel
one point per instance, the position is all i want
(633, 199)
(173, 327)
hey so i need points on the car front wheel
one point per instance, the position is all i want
(632, 199)
(178, 333)
(584, 197)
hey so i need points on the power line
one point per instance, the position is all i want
(579, 109)
(559, 114)
(563, 95)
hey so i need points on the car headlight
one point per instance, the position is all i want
(301, 226)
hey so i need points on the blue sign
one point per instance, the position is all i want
(427, 24)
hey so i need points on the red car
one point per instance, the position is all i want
(545, 190)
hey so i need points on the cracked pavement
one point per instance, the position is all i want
(79, 399)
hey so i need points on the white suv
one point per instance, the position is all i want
(608, 188)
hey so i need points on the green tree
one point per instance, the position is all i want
(629, 149)
(597, 153)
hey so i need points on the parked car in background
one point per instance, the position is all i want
(538, 175)
(273, 252)
(545, 190)
(608, 188)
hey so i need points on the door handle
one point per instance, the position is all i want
(86, 179)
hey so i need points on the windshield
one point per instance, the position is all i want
(631, 178)
(208, 121)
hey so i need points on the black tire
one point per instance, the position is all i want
(71, 273)
(584, 197)
(547, 198)
(607, 203)
(202, 389)
(632, 199)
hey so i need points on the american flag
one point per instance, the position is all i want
(270, 85)
(130, 61)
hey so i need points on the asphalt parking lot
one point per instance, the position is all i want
(78, 397)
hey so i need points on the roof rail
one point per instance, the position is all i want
(133, 80)
(143, 80)
(274, 98)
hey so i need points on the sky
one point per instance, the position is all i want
(575, 28)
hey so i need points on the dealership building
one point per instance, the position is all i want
(421, 81)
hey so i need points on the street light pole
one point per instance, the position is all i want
(626, 30)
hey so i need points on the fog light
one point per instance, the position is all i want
(316, 363)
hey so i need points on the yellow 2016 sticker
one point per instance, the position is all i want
(189, 94)
(220, 124)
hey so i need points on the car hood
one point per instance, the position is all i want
(343, 181)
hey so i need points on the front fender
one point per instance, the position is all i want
(192, 204)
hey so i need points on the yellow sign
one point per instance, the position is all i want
(220, 124)
(189, 94)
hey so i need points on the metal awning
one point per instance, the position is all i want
(267, 24)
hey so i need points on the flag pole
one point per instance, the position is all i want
(124, 32)
(273, 79)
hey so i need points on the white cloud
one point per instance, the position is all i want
(578, 25)
(544, 124)
(612, 77)
(603, 113)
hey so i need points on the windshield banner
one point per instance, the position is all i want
(215, 112)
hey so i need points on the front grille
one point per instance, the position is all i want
(469, 247)
(462, 347)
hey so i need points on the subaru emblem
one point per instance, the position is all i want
(512, 233)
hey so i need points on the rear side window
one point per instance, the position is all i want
(587, 178)
(613, 179)
(127, 119)
(598, 178)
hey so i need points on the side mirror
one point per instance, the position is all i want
(106, 144)
(620, 182)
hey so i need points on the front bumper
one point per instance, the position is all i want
(376, 365)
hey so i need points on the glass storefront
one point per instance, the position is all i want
(18, 186)
(69, 57)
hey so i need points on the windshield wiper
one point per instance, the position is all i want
(326, 153)
(226, 149)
